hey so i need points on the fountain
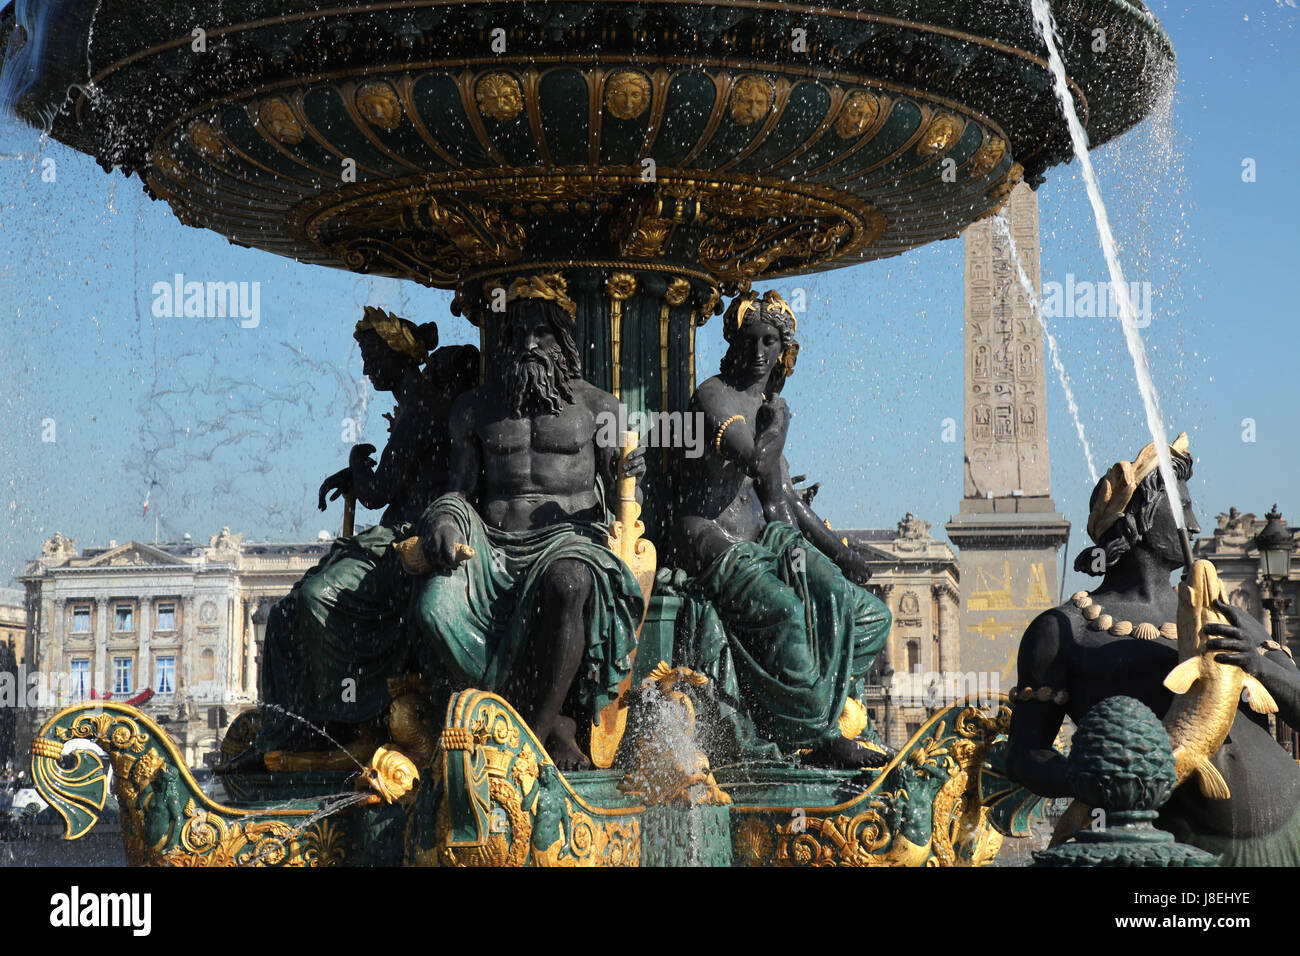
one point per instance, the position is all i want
(629, 164)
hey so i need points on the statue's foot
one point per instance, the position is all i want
(249, 760)
(849, 754)
(562, 745)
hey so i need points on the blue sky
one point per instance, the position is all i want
(239, 425)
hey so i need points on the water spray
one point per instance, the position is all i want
(1128, 317)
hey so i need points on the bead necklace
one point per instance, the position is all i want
(1099, 620)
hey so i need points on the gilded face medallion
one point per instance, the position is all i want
(751, 100)
(203, 139)
(988, 155)
(499, 97)
(377, 102)
(627, 94)
(858, 113)
(944, 131)
(276, 115)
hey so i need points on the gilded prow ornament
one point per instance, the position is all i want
(639, 554)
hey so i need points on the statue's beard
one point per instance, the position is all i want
(532, 385)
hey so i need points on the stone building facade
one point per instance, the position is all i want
(921, 668)
(13, 620)
(182, 619)
(1231, 547)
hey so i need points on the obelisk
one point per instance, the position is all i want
(1007, 527)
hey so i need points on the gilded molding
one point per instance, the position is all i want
(619, 287)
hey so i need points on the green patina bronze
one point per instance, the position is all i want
(334, 642)
(475, 622)
(1121, 762)
(783, 635)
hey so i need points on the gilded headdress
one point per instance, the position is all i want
(749, 307)
(551, 287)
(398, 334)
(1117, 486)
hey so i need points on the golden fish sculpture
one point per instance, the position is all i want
(1207, 692)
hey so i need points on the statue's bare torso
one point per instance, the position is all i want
(528, 472)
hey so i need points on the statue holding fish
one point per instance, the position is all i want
(1207, 669)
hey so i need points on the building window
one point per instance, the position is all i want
(166, 617)
(121, 675)
(125, 617)
(80, 678)
(81, 619)
(165, 675)
(913, 657)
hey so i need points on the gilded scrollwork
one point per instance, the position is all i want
(924, 809)
(165, 817)
(504, 803)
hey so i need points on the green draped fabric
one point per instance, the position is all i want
(345, 619)
(784, 637)
(476, 620)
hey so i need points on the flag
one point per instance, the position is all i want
(147, 495)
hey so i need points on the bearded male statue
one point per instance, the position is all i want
(525, 599)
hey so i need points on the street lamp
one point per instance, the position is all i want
(1274, 546)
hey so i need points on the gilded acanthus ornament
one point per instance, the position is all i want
(678, 291)
(499, 97)
(627, 94)
(620, 286)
